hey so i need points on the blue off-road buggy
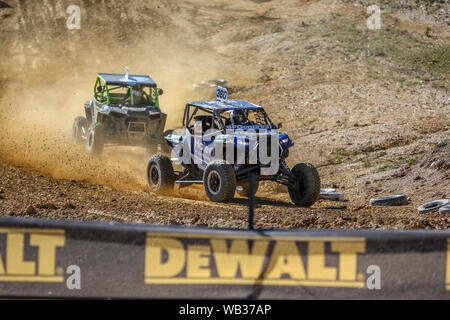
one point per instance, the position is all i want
(217, 148)
(124, 110)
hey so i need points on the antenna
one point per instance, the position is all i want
(126, 73)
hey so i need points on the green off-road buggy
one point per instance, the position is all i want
(124, 111)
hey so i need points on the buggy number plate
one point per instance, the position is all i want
(221, 94)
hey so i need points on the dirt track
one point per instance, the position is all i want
(61, 199)
(369, 108)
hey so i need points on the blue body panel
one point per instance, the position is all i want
(245, 137)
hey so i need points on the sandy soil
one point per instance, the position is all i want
(31, 194)
(370, 108)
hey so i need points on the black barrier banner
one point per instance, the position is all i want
(50, 258)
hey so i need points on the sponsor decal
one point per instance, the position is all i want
(29, 255)
(247, 127)
(447, 270)
(244, 260)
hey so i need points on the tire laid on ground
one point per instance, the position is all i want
(95, 139)
(433, 205)
(243, 189)
(445, 209)
(331, 194)
(309, 183)
(160, 174)
(219, 181)
(79, 129)
(394, 200)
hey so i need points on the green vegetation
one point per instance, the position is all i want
(403, 54)
(384, 168)
(400, 162)
(338, 155)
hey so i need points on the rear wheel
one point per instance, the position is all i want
(243, 189)
(160, 174)
(219, 181)
(308, 181)
(79, 130)
(95, 139)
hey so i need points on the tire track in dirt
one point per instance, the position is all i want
(65, 199)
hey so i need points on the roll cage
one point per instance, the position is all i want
(107, 92)
(217, 117)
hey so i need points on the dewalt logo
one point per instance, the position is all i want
(447, 269)
(182, 259)
(39, 245)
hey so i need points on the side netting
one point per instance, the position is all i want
(52, 258)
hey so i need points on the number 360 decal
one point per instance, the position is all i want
(221, 94)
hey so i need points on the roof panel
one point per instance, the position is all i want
(119, 79)
(228, 105)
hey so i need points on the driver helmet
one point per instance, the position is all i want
(138, 91)
(237, 117)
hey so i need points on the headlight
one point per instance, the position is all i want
(284, 140)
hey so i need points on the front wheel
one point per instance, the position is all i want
(219, 181)
(79, 130)
(95, 139)
(160, 174)
(308, 183)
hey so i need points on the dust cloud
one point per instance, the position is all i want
(46, 79)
